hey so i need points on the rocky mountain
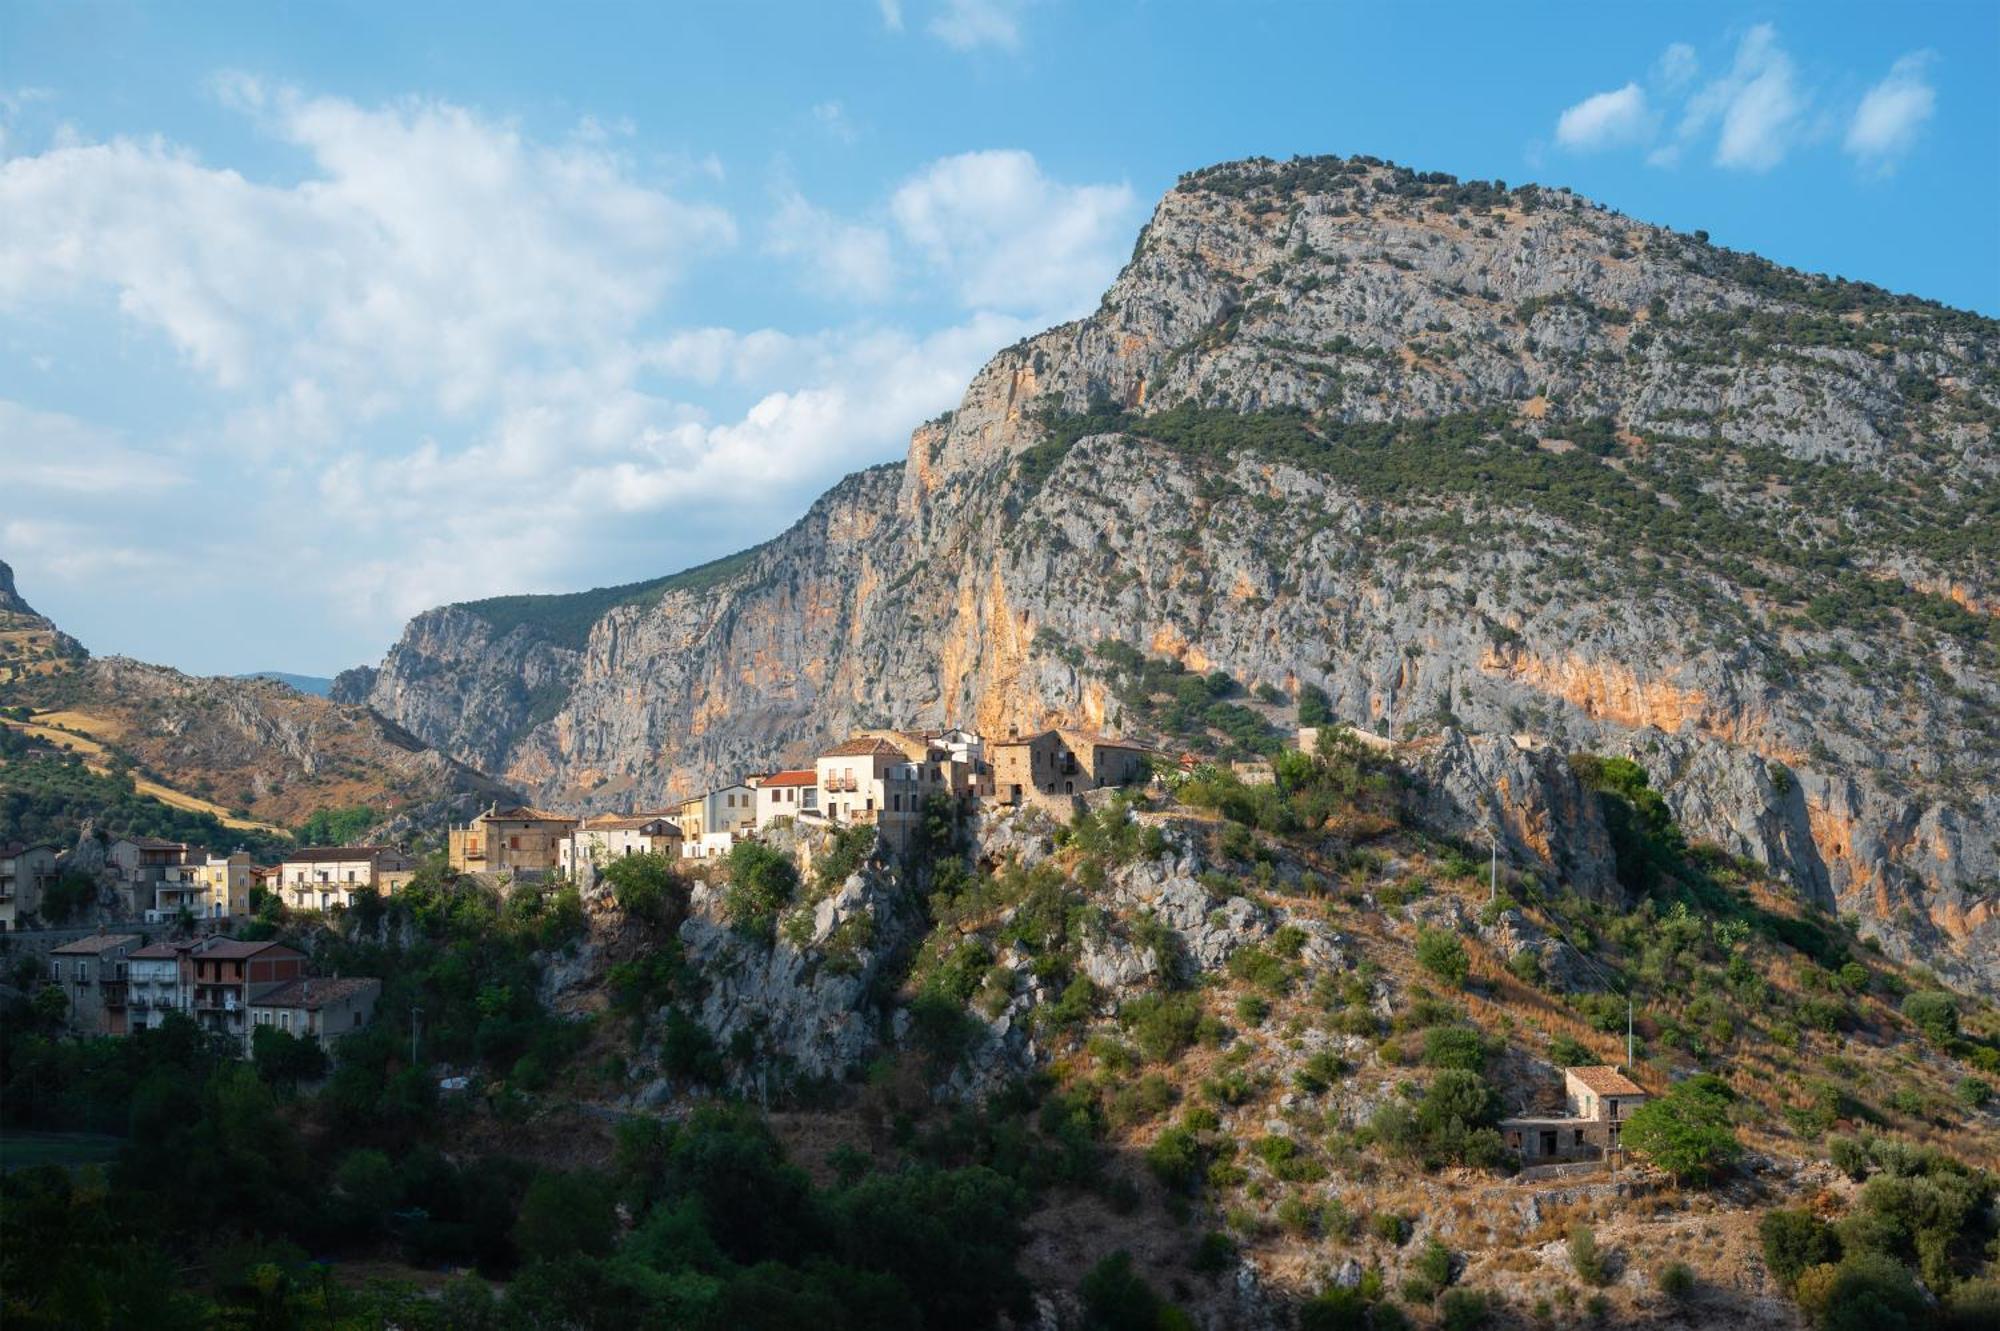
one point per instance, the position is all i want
(1437, 458)
(245, 748)
(30, 643)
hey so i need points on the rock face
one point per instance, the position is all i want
(1475, 462)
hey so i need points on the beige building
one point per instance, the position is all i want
(517, 840)
(1596, 1102)
(325, 877)
(598, 841)
(1061, 762)
(885, 777)
(314, 1008)
(25, 873)
(206, 886)
(790, 794)
(711, 823)
(92, 973)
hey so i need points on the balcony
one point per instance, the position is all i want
(114, 993)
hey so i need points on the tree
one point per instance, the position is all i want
(51, 1005)
(762, 882)
(1440, 952)
(564, 1215)
(284, 1059)
(1686, 1131)
(646, 888)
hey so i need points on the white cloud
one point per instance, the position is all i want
(442, 360)
(1676, 67)
(49, 459)
(840, 259)
(1757, 105)
(1609, 119)
(1010, 238)
(425, 250)
(892, 14)
(967, 25)
(1891, 113)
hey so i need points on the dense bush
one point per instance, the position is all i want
(1686, 1131)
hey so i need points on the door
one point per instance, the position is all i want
(1549, 1141)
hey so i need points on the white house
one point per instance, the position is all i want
(598, 841)
(790, 794)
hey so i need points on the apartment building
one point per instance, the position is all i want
(711, 823)
(160, 981)
(327, 877)
(227, 972)
(93, 975)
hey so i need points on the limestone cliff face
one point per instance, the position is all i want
(1661, 500)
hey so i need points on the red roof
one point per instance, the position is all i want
(316, 991)
(862, 748)
(803, 777)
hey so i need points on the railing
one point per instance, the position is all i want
(114, 993)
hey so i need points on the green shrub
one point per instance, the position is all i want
(762, 882)
(1585, 1258)
(1459, 1047)
(1676, 1281)
(1162, 1024)
(1794, 1241)
(1934, 1012)
(1464, 1310)
(1440, 952)
(1973, 1093)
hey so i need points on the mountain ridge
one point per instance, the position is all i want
(1449, 455)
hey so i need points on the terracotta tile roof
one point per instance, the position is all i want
(316, 991)
(804, 776)
(327, 854)
(1097, 741)
(13, 848)
(618, 822)
(161, 951)
(522, 813)
(1013, 740)
(861, 748)
(153, 843)
(1606, 1080)
(237, 949)
(93, 945)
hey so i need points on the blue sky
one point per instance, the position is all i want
(314, 315)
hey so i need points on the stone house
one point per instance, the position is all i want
(1056, 763)
(324, 877)
(598, 841)
(25, 873)
(93, 974)
(1596, 1102)
(788, 794)
(315, 1008)
(517, 840)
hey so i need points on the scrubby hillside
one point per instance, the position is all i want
(1431, 454)
(254, 754)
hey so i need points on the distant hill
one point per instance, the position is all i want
(316, 685)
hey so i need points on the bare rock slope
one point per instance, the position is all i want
(1469, 459)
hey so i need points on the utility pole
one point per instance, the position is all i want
(1628, 1030)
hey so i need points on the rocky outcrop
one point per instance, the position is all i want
(1663, 500)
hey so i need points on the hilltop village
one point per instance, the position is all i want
(117, 982)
